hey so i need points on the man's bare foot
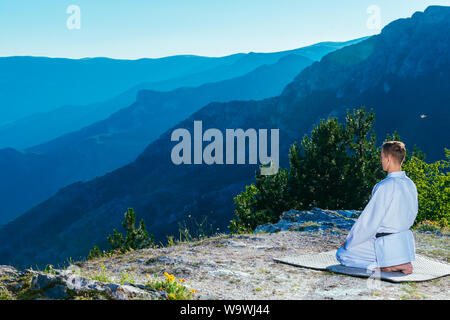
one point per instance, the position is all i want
(406, 268)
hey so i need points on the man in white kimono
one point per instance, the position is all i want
(380, 238)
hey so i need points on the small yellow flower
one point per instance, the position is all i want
(147, 276)
(192, 291)
(50, 266)
(181, 280)
(160, 288)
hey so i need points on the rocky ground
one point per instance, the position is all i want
(228, 267)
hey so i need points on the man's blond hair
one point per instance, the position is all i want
(396, 149)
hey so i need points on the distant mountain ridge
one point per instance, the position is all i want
(411, 82)
(120, 138)
(117, 140)
(54, 82)
(46, 123)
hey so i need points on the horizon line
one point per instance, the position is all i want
(188, 54)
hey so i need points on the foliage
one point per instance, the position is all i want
(135, 238)
(433, 188)
(96, 252)
(49, 269)
(4, 294)
(261, 202)
(428, 225)
(102, 275)
(173, 286)
(125, 278)
(190, 229)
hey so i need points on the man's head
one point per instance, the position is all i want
(392, 155)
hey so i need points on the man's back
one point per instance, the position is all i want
(391, 211)
(403, 207)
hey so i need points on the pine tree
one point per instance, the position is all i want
(134, 238)
(364, 163)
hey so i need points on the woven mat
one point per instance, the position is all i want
(424, 268)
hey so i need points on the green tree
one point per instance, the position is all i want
(364, 169)
(337, 166)
(319, 160)
(433, 188)
(135, 238)
(261, 202)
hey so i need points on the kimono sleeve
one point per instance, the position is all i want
(370, 219)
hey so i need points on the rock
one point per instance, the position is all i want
(8, 271)
(234, 244)
(63, 284)
(79, 284)
(207, 297)
(126, 292)
(58, 291)
(42, 281)
(226, 272)
(315, 219)
(167, 260)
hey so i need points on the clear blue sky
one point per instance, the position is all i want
(132, 29)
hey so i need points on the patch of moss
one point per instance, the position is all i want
(5, 295)
(89, 295)
(4, 279)
(411, 292)
(153, 269)
(152, 260)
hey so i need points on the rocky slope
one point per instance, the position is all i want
(230, 267)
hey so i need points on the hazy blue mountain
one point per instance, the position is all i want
(119, 139)
(40, 127)
(29, 85)
(402, 73)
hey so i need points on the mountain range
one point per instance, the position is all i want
(117, 140)
(403, 73)
(105, 86)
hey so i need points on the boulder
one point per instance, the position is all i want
(315, 219)
(63, 284)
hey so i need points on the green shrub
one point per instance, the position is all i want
(135, 238)
(433, 188)
(261, 202)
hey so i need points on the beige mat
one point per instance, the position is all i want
(424, 268)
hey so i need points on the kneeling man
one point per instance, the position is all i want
(380, 238)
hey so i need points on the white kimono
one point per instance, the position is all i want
(392, 209)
